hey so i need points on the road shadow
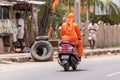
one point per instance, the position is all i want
(78, 70)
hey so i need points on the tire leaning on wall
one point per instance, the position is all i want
(42, 51)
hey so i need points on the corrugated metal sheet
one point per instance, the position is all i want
(36, 2)
(7, 3)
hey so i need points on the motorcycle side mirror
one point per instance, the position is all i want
(82, 29)
(59, 28)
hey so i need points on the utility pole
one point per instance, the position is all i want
(87, 13)
(0, 12)
(77, 12)
(119, 3)
(68, 6)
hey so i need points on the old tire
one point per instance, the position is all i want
(42, 51)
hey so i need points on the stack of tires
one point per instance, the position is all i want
(42, 50)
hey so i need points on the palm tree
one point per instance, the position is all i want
(106, 5)
(111, 7)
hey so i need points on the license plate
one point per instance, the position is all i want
(64, 61)
(65, 57)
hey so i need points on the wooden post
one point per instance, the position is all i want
(1, 45)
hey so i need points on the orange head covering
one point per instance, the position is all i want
(71, 15)
(70, 18)
(70, 21)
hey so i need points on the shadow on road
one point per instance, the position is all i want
(78, 70)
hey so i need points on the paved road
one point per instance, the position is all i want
(103, 68)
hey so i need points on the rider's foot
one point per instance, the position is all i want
(79, 58)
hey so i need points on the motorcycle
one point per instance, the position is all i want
(68, 56)
(67, 53)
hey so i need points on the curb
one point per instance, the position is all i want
(98, 52)
(18, 57)
(26, 57)
(88, 52)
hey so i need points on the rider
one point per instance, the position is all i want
(71, 32)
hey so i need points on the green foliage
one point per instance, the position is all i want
(115, 18)
(55, 18)
(5, 13)
(66, 2)
(58, 20)
(83, 17)
(112, 19)
(42, 8)
(111, 9)
(58, 17)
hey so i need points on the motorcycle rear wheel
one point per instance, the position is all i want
(74, 67)
(66, 67)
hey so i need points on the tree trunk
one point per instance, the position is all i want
(29, 31)
(44, 23)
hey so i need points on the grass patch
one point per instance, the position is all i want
(2, 62)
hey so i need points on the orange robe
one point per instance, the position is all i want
(72, 33)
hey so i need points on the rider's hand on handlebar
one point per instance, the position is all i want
(59, 42)
(83, 34)
(79, 38)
